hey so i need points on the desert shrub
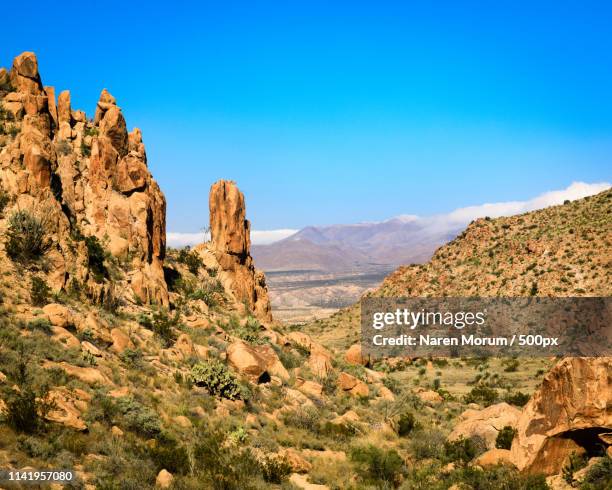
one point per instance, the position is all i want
(162, 324)
(170, 455)
(287, 358)
(63, 147)
(504, 437)
(464, 450)
(427, 443)
(26, 237)
(26, 407)
(217, 379)
(377, 465)
(191, 259)
(39, 292)
(220, 466)
(85, 149)
(42, 324)
(599, 476)
(4, 200)
(576, 462)
(95, 258)
(481, 394)
(138, 417)
(496, 478)
(519, 398)
(306, 418)
(131, 357)
(510, 365)
(405, 424)
(275, 469)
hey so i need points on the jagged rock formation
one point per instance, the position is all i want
(231, 244)
(87, 178)
(567, 414)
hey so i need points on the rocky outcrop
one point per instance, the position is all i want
(85, 179)
(486, 423)
(567, 414)
(231, 244)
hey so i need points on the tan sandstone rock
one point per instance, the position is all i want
(485, 423)
(231, 244)
(352, 385)
(575, 399)
(164, 479)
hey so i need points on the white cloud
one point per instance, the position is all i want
(577, 190)
(258, 237)
(264, 237)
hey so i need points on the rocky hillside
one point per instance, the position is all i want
(558, 251)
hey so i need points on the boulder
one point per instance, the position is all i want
(296, 460)
(354, 356)
(64, 408)
(248, 362)
(350, 384)
(309, 387)
(485, 423)
(568, 411)
(120, 341)
(58, 315)
(164, 479)
(493, 457)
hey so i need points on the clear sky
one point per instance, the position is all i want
(338, 112)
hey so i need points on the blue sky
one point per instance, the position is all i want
(340, 113)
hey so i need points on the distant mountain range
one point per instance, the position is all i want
(401, 240)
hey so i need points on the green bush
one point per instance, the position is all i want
(39, 292)
(162, 324)
(4, 200)
(496, 478)
(95, 258)
(191, 259)
(481, 394)
(464, 450)
(220, 466)
(26, 237)
(519, 399)
(26, 407)
(575, 463)
(406, 424)
(217, 379)
(505, 437)
(599, 476)
(275, 469)
(42, 324)
(138, 417)
(377, 465)
(169, 455)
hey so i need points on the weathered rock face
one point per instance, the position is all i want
(573, 405)
(485, 423)
(85, 179)
(230, 242)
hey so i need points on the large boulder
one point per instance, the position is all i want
(567, 413)
(248, 362)
(354, 356)
(485, 423)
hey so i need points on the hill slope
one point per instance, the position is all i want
(558, 251)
